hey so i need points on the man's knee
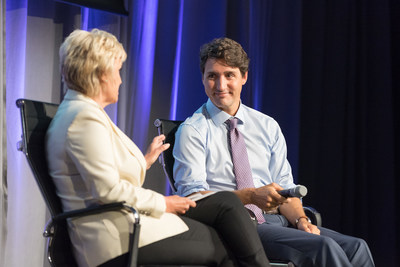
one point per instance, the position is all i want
(360, 243)
(359, 253)
(330, 253)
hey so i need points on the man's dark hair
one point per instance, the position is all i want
(226, 49)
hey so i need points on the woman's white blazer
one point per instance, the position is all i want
(92, 161)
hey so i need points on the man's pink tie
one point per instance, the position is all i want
(241, 165)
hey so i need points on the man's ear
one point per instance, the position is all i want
(244, 78)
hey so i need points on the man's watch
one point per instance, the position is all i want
(302, 217)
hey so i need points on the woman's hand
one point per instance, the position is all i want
(155, 149)
(178, 205)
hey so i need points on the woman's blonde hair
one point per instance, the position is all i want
(85, 56)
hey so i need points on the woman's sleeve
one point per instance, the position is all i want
(90, 146)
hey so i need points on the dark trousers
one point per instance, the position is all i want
(329, 249)
(225, 212)
(220, 234)
(201, 245)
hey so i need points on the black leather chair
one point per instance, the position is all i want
(35, 118)
(169, 128)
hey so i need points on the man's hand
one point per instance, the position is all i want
(178, 205)
(266, 197)
(155, 149)
(294, 212)
(305, 226)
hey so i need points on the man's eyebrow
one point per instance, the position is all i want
(229, 72)
(210, 72)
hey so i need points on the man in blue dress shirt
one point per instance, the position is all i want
(203, 163)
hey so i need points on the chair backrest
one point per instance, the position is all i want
(168, 128)
(35, 118)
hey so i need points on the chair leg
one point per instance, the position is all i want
(134, 240)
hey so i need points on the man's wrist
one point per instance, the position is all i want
(302, 217)
(245, 195)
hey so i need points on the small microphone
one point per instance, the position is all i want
(298, 191)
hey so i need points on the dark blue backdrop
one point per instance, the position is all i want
(327, 71)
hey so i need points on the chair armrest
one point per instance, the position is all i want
(97, 209)
(314, 215)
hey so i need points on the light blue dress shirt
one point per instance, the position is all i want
(203, 160)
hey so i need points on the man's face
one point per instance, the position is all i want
(223, 85)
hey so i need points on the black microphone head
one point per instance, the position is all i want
(298, 191)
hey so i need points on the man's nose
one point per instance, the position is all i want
(222, 83)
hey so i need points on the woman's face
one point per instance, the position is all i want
(111, 82)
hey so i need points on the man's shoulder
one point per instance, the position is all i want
(198, 122)
(258, 115)
(198, 118)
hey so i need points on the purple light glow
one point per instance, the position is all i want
(144, 68)
(175, 82)
(84, 18)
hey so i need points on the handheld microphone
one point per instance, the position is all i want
(298, 191)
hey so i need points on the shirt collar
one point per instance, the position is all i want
(219, 117)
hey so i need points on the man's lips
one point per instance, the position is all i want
(221, 94)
